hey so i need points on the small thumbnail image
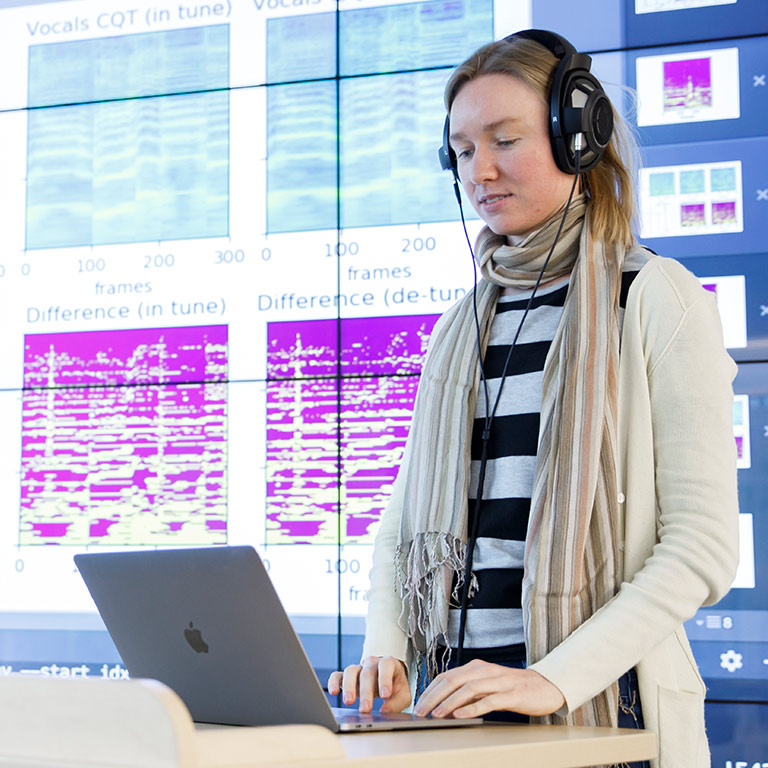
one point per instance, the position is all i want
(662, 183)
(692, 199)
(722, 179)
(693, 215)
(693, 182)
(724, 213)
(740, 412)
(730, 295)
(657, 6)
(741, 431)
(687, 84)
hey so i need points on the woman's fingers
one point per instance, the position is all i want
(349, 683)
(468, 698)
(446, 683)
(391, 674)
(369, 683)
(376, 676)
(478, 687)
(334, 683)
(393, 685)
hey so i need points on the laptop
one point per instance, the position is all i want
(208, 623)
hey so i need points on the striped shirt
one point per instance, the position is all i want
(494, 626)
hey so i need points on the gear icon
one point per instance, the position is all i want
(731, 660)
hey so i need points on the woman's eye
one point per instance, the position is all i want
(463, 153)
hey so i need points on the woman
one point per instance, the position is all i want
(609, 509)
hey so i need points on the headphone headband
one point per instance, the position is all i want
(557, 44)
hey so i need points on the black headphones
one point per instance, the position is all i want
(578, 105)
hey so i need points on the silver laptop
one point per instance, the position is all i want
(209, 624)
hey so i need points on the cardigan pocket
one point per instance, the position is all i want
(682, 740)
(694, 681)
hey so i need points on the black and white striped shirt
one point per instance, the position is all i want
(494, 616)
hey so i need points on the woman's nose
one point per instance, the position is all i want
(484, 167)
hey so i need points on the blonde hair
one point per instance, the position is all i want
(609, 186)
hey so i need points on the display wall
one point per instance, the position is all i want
(224, 241)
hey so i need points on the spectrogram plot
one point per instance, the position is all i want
(387, 123)
(375, 418)
(301, 157)
(388, 38)
(389, 174)
(385, 38)
(140, 149)
(333, 441)
(124, 437)
(687, 84)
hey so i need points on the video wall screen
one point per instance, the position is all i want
(224, 242)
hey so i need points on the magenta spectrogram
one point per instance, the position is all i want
(124, 437)
(336, 443)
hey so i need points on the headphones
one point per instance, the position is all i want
(578, 105)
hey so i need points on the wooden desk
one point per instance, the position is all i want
(489, 746)
(52, 723)
(499, 746)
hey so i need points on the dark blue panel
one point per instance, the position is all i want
(730, 639)
(49, 651)
(732, 669)
(609, 69)
(597, 26)
(351, 649)
(32, 648)
(738, 734)
(752, 380)
(753, 267)
(753, 155)
(751, 84)
(745, 17)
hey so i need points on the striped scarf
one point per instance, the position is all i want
(570, 551)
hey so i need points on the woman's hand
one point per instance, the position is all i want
(479, 687)
(377, 677)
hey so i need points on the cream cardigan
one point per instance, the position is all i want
(677, 475)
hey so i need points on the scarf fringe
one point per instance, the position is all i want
(420, 565)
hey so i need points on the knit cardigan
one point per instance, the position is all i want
(679, 548)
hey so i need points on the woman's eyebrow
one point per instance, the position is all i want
(487, 128)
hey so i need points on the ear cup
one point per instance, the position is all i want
(578, 104)
(445, 154)
(582, 108)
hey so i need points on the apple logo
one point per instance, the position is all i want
(195, 639)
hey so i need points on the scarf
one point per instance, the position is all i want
(570, 561)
